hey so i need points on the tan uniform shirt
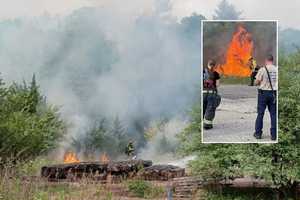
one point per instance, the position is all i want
(262, 76)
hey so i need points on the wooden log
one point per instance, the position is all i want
(161, 172)
(94, 170)
(127, 166)
(74, 170)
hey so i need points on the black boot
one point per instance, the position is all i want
(257, 136)
(207, 126)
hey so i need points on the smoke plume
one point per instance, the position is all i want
(107, 61)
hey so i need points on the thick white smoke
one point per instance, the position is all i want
(163, 142)
(129, 61)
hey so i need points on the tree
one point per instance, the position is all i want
(117, 128)
(226, 11)
(165, 146)
(34, 96)
(103, 136)
(93, 140)
(119, 133)
(26, 132)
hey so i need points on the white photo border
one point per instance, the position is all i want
(277, 94)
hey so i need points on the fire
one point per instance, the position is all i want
(239, 52)
(104, 158)
(70, 157)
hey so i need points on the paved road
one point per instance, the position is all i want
(235, 117)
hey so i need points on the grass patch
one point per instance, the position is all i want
(240, 194)
(235, 80)
(143, 189)
(32, 167)
(21, 180)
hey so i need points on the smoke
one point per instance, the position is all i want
(163, 140)
(106, 61)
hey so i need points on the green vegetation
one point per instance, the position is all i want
(278, 164)
(235, 80)
(158, 136)
(22, 181)
(30, 167)
(12, 188)
(225, 10)
(103, 136)
(29, 126)
(240, 194)
(212, 196)
(143, 189)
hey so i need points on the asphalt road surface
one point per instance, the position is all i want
(235, 117)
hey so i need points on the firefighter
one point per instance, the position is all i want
(129, 149)
(266, 79)
(211, 99)
(254, 68)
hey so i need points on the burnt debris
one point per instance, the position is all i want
(113, 171)
(161, 172)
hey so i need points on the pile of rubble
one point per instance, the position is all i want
(113, 171)
(161, 172)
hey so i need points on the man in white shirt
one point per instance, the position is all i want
(266, 79)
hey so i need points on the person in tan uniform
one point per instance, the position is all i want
(266, 80)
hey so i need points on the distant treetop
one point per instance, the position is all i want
(226, 11)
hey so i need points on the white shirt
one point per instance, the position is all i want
(262, 76)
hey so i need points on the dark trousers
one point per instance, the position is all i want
(209, 108)
(266, 98)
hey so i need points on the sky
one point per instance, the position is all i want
(287, 12)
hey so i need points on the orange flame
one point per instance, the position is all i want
(70, 157)
(104, 158)
(239, 52)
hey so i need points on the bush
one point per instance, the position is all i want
(31, 167)
(28, 125)
(143, 189)
(228, 193)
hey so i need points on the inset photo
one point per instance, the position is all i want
(239, 81)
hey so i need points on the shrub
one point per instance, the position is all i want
(143, 189)
(28, 125)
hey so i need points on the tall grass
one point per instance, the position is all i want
(22, 181)
(13, 187)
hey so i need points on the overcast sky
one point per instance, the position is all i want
(287, 11)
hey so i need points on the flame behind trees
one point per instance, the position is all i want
(240, 50)
(104, 136)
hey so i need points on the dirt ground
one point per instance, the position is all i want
(235, 117)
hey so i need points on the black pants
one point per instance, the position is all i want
(266, 99)
(209, 109)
